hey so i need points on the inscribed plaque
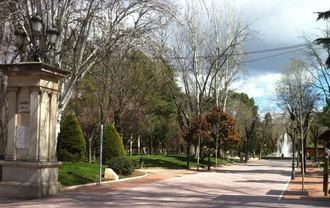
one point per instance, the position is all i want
(22, 136)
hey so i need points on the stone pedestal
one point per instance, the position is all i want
(21, 179)
(30, 167)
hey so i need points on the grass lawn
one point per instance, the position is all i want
(174, 161)
(74, 173)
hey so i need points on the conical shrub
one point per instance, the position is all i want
(71, 144)
(112, 144)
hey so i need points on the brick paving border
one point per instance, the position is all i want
(152, 176)
(67, 188)
(313, 186)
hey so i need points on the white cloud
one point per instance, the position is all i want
(261, 88)
(283, 20)
(258, 85)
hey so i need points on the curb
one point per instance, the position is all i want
(68, 188)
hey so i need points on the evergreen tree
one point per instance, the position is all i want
(325, 116)
(71, 143)
(325, 41)
(112, 144)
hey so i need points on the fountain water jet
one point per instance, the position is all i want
(283, 148)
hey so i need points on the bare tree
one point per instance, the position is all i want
(88, 30)
(200, 48)
(226, 25)
(297, 97)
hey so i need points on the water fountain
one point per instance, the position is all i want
(283, 148)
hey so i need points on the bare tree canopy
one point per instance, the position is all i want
(295, 91)
(88, 31)
(203, 47)
(298, 98)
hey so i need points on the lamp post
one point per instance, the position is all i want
(36, 22)
(325, 172)
(31, 146)
(198, 148)
(20, 39)
(294, 126)
(37, 31)
(52, 35)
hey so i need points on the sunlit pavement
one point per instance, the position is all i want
(257, 184)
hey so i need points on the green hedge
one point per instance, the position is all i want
(71, 144)
(121, 165)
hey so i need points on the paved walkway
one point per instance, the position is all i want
(258, 184)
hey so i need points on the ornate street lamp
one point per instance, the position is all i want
(36, 23)
(36, 80)
(52, 35)
(294, 127)
(20, 38)
(37, 49)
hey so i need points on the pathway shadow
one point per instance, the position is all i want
(279, 192)
(264, 201)
(256, 171)
(262, 181)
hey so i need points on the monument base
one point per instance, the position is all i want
(26, 180)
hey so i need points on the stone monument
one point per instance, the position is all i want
(30, 167)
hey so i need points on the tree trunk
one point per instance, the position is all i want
(188, 154)
(305, 155)
(178, 147)
(316, 151)
(262, 144)
(90, 150)
(209, 160)
(139, 145)
(130, 148)
(151, 147)
(246, 150)
(225, 149)
(302, 161)
(3, 114)
(117, 120)
(216, 147)
(298, 155)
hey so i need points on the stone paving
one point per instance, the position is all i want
(256, 184)
(313, 186)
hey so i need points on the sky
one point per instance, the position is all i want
(274, 24)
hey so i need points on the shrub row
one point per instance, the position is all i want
(121, 165)
(71, 146)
